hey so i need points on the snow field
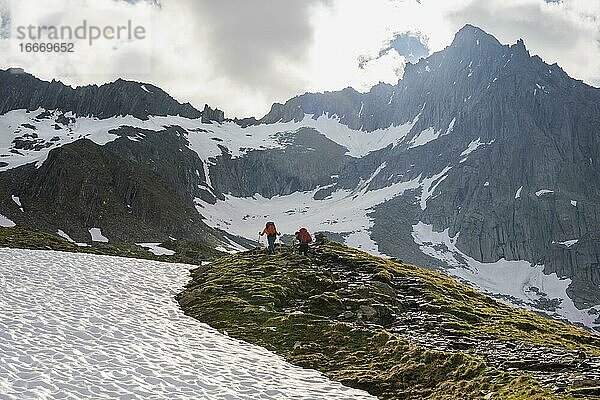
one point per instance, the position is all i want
(76, 326)
(527, 283)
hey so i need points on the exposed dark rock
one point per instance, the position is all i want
(210, 115)
(24, 91)
(83, 185)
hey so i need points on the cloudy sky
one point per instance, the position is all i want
(243, 55)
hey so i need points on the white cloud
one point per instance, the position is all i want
(242, 56)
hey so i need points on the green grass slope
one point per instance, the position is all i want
(186, 251)
(366, 322)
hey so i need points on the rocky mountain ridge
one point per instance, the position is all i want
(480, 161)
(497, 146)
(21, 90)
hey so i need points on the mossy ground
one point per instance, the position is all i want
(256, 297)
(476, 314)
(186, 251)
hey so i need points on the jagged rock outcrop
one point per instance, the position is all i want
(24, 91)
(83, 185)
(210, 115)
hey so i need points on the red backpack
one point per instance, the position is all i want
(304, 236)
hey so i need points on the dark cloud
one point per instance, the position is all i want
(250, 40)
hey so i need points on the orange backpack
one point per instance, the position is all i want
(270, 229)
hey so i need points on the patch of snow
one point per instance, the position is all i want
(145, 89)
(11, 123)
(451, 126)
(5, 222)
(97, 235)
(84, 326)
(392, 97)
(344, 211)
(271, 136)
(426, 136)
(542, 192)
(207, 174)
(474, 145)
(234, 245)
(155, 249)
(17, 201)
(519, 280)
(364, 186)
(486, 184)
(430, 184)
(518, 194)
(569, 243)
(574, 203)
(362, 240)
(63, 235)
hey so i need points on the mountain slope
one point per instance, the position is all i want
(24, 91)
(480, 139)
(394, 330)
(481, 161)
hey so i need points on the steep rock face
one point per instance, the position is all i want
(299, 167)
(504, 148)
(166, 154)
(24, 91)
(83, 185)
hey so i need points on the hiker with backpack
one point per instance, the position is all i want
(271, 232)
(304, 238)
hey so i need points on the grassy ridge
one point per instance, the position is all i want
(292, 305)
(186, 251)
